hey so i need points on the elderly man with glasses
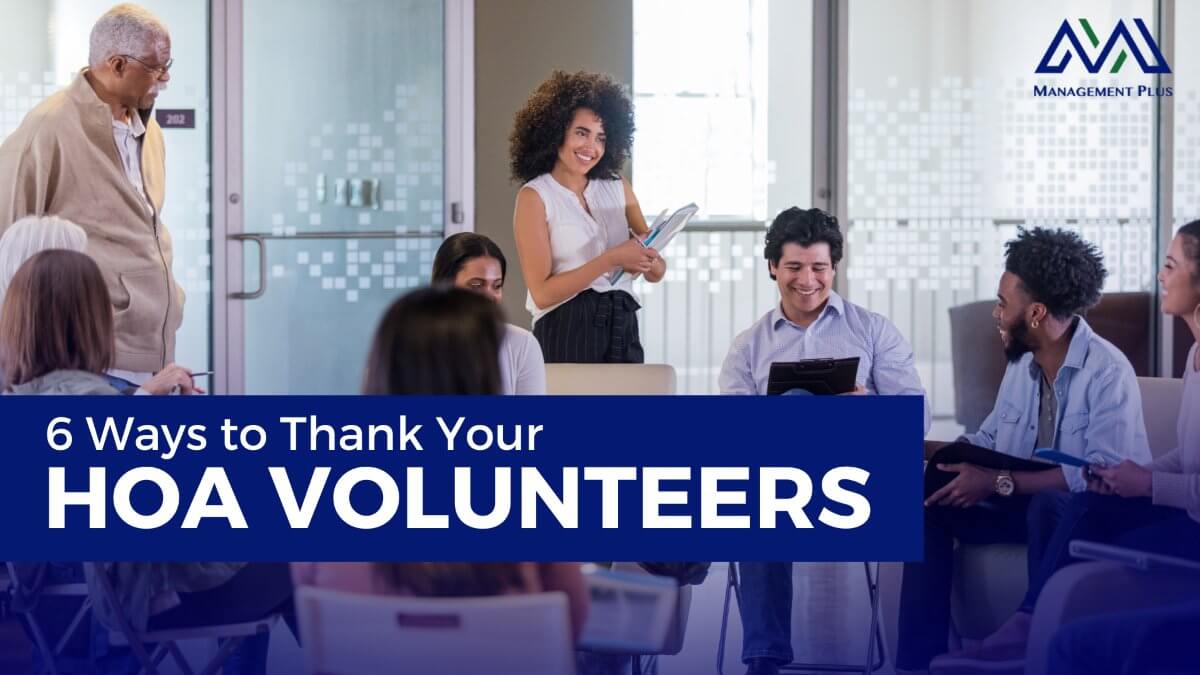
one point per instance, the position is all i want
(94, 155)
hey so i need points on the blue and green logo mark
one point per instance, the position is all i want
(1119, 33)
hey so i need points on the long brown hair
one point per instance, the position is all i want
(436, 340)
(453, 579)
(56, 316)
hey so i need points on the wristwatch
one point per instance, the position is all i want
(1004, 484)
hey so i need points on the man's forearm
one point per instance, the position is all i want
(1033, 482)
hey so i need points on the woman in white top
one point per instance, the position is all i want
(475, 263)
(574, 217)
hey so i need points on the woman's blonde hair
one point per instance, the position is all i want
(33, 234)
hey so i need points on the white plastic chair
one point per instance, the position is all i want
(666, 640)
(1119, 582)
(609, 379)
(358, 634)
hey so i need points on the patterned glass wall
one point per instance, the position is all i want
(716, 286)
(950, 152)
(1187, 114)
(357, 149)
(44, 44)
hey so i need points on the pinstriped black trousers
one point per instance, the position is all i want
(592, 327)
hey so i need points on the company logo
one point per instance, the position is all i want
(1119, 33)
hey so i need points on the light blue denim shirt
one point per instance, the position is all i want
(1099, 417)
(843, 329)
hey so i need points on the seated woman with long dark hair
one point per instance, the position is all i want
(475, 263)
(56, 337)
(442, 341)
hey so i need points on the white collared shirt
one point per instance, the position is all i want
(128, 136)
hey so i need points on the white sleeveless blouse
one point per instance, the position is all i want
(575, 236)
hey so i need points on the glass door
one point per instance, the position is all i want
(340, 198)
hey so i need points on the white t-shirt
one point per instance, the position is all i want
(522, 369)
(577, 236)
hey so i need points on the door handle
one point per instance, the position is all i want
(261, 238)
(262, 267)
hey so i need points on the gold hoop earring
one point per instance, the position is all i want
(1035, 324)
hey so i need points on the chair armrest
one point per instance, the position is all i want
(1142, 561)
(1091, 588)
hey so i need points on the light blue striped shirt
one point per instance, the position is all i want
(1099, 416)
(843, 329)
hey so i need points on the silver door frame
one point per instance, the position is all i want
(229, 234)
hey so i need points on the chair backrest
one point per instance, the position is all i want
(353, 634)
(609, 378)
(977, 353)
(977, 361)
(1161, 398)
(672, 641)
(1125, 319)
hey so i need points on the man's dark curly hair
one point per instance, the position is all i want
(1058, 269)
(793, 226)
(540, 126)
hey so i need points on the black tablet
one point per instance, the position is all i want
(822, 377)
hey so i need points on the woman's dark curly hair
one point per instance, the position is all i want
(1058, 268)
(540, 126)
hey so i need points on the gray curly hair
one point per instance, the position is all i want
(124, 29)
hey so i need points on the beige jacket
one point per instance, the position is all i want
(63, 161)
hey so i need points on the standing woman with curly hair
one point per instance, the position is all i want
(574, 217)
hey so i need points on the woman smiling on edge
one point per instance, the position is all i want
(573, 220)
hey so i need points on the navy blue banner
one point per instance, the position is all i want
(470, 478)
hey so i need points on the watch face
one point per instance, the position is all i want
(1004, 486)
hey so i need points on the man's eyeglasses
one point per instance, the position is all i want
(157, 71)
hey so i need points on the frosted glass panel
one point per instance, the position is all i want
(1187, 113)
(309, 333)
(950, 151)
(343, 134)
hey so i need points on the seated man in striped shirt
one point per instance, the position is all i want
(803, 249)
